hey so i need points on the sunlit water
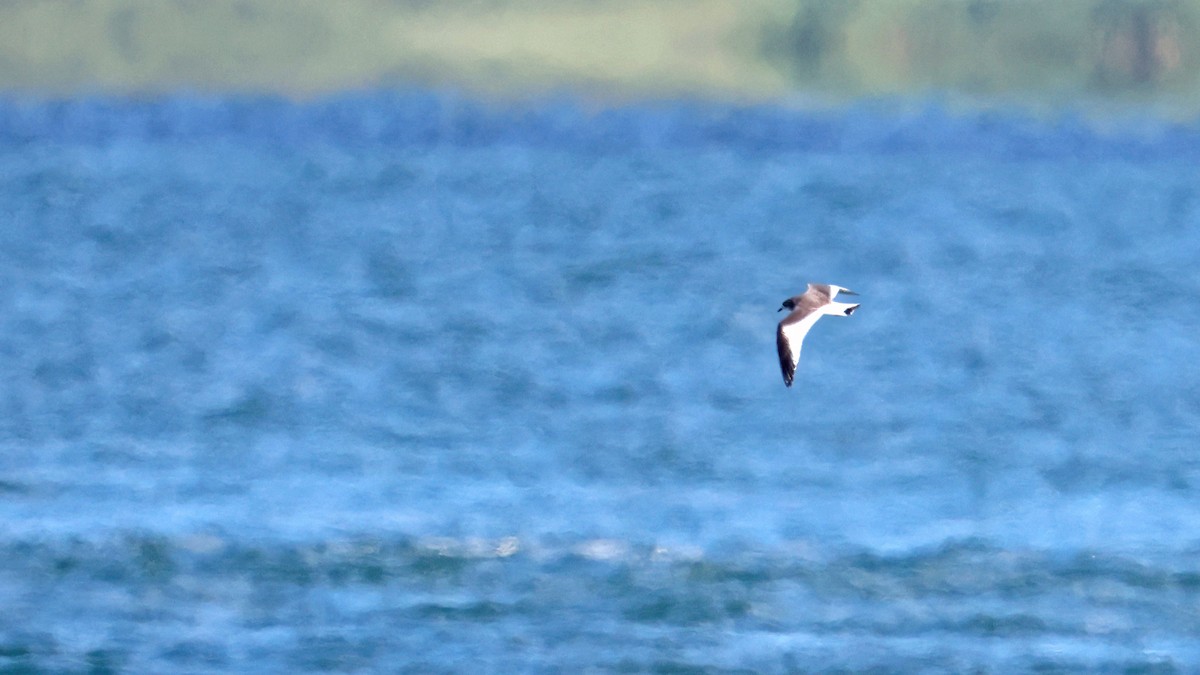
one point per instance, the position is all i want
(407, 382)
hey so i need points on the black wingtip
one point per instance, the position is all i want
(850, 309)
(789, 374)
(786, 365)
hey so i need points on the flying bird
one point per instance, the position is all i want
(805, 309)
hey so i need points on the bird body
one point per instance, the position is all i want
(805, 309)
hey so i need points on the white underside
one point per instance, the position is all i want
(795, 332)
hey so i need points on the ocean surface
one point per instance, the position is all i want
(411, 382)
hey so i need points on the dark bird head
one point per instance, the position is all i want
(789, 305)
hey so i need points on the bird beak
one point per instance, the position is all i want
(779, 310)
(847, 291)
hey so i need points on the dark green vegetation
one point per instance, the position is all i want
(1103, 48)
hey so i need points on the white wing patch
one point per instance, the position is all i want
(794, 333)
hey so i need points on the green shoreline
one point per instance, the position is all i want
(1122, 51)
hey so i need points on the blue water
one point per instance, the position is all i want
(408, 382)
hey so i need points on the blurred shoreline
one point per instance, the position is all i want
(1037, 54)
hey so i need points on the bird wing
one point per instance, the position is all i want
(786, 362)
(789, 338)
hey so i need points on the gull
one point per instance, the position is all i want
(805, 309)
